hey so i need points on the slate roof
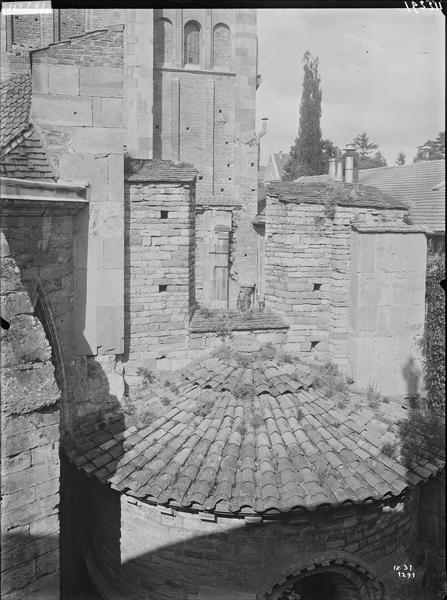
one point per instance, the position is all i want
(22, 153)
(221, 201)
(225, 437)
(317, 191)
(15, 104)
(414, 183)
(157, 170)
(27, 160)
(238, 322)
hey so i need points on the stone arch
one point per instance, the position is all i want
(42, 311)
(191, 43)
(164, 41)
(351, 579)
(221, 46)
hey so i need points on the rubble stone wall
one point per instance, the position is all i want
(136, 548)
(30, 417)
(311, 280)
(160, 274)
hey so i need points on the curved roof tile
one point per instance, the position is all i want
(209, 441)
(15, 105)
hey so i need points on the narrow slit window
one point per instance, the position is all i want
(192, 43)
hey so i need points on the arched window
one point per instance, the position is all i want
(192, 43)
(221, 46)
(164, 42)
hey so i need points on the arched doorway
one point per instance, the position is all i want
(43, 312)
(323, 586)
(332, 578)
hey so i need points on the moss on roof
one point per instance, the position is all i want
(248, 435)
(318, 192)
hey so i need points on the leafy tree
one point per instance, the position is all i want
(400, 158)
(365, 148)
(433, 346)
(306, 154)
(432, 149)
(363, 145)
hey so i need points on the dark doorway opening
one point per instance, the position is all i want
(322, 586)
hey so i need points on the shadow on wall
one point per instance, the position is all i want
(75, 506)
(412, 375)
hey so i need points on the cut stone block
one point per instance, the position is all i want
(62, 110)
(63, 80)
(98, 140)
(40, 78)
(108, 112)
(101, 81)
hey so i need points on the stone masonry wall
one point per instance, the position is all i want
(138, 549)
(30, 414)
(432, 526)
(387, 309)
(160, 275)
(206, 116)
(308, 278)
(78, 101)
(42, 247)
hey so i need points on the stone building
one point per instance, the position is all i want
(188, 467)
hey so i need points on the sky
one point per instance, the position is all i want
(382, 71)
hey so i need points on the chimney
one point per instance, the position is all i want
(339, 166)
(351, 170)
(264, 125)
(332, 168)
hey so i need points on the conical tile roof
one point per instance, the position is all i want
(249, 437)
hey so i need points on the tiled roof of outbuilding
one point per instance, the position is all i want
(317, 191)
(414, 183)
(237, 439)
(141, 170)
(15, 104)
(27, 160)
(251, 320)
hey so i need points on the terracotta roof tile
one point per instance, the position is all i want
(414, 183)
(15, 104)
(27, 159)
(317, 192)
(156, 170)
(238, 322)
(221, 462)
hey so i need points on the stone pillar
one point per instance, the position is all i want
(78, 103)
(161, 234)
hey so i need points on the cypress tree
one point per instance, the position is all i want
(306, 154)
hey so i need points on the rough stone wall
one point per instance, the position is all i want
(30, 415)
(387, 310)
(78, 104)
(144, 550)
(432, 534)
(160, 234)
(71, 22)
(43, 250)
(309, 259)
(206, 342)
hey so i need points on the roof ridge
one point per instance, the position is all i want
(115, 27)
(418, 162)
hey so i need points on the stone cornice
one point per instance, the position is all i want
(27, 197)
